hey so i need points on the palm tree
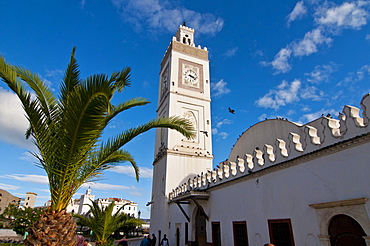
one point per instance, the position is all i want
(102, 221)
(67, 133)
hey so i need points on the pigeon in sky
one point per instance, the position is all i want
(231, 110)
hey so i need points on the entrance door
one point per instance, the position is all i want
(200, 229)
(344, 231)
(177, 236)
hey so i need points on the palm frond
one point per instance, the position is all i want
(106, 159)
(47, 101)
(102, 220)
(71, 77)
(115, 110)
(121, 79)
(179, 124)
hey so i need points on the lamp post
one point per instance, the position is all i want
(137, 228)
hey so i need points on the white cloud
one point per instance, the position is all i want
(284, 94)
(367, 37)
(262, 117)
(353, 78)
(132, 190)
(27, 156)
(330, 20)
(316, 115)
(348, 15)
(310, 92)
(280, 62)
(129, 170)
(258, 53)
(224, 122)
(103, 186)
(160, 14)
(306, 109)
(321, 73)
(31, 178)
(298, 12)
(82, 4)
(55, 74)
(290, 112)
(231, 52)
(8, 187)
(304, 47)
(223, 135)
(219, 88)
(13, 123)
(363, 71)
(308, 44)
(214, 131)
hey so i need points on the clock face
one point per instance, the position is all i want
(190, 76)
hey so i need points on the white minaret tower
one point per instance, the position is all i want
(184, 91)
(85, 199)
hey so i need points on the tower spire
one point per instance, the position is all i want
(185, 35)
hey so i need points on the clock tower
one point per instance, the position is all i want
(184, 91)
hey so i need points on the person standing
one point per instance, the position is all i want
(144, 242)
(154, 240)
(165, 241)
(123, 241)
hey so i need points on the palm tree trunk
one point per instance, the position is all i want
(53, 228)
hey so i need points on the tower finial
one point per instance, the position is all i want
(184, 24)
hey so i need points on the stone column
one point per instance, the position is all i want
(324, 240)
(367, 240)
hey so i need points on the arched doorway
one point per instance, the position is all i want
(200, 229)
(344, 231)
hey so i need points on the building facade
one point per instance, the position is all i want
(130, 208)
(29, 201)
(81, 206)
(6, 198)
(283, 183)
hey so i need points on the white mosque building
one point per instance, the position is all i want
(81, 206)
(283, 183)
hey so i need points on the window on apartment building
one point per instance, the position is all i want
(281, 232)
(129, 208)
(216, 234)
(240, 233)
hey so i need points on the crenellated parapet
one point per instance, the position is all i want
(275, 141)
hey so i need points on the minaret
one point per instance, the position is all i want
(184, 91)
(85, 199)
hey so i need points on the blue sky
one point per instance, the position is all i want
(290, 59)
